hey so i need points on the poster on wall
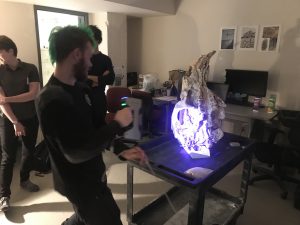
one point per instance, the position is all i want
(248, 37)
(228, 38)
(269, 38)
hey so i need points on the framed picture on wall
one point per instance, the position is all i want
(227, 38)
(269, 38)
(248, 36)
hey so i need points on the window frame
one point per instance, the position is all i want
(85, 21)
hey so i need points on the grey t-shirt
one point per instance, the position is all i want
(16, 82)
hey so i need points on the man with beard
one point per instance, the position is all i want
(75, 143)
(19, 85)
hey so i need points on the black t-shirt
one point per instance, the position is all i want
(16, 82)
(74, 142)
(101, 63)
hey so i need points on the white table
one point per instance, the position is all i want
(246, 116)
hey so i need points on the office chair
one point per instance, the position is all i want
(113, 97)
(279, 156)
(152, 114)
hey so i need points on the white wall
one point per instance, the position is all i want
(172, 42)
(117, 43)
(17, 22)
(134, 44)
(165, 6)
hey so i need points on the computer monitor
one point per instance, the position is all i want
(132, 79)
(249, 82)
(218, 89)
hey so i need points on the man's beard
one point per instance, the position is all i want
(80, 71)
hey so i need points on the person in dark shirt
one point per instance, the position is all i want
(75, 143)
(19, 85)
(100, 74)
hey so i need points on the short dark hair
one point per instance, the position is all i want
(6, 44)
(97, 33)
(63, 41)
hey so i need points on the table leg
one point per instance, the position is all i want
(196, 207)
(167, 125)
(129, 193)
(245, 178)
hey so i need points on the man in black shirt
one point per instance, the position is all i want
(74, 141)
(101, 74)
(19, 85)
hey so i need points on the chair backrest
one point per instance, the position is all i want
(114, 96)
(143, 95)
(294, 137)
(147, 105)
(291, 119)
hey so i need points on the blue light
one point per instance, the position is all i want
(191, 130)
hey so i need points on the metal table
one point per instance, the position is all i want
(169, 162)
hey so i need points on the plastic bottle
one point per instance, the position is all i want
(271, 104)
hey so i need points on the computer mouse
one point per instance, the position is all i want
(198, 172)
(234, 144)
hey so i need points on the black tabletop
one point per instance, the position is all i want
(169, 160)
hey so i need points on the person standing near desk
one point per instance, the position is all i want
(19, 85)
(100, 74)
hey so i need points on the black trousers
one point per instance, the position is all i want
(95, 209)
(9, 145)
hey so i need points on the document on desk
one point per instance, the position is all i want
(166, 98)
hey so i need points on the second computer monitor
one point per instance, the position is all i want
(249, 82)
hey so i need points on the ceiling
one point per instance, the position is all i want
(139, 8)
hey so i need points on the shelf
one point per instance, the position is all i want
(220, 208)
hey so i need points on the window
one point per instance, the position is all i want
(46, 19)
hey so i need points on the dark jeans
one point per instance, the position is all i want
(9, 145)
(97, 209)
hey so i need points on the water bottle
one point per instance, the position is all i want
(271, 104)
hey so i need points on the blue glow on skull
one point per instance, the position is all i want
(190, 128)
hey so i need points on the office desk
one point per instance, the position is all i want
(233, 113)
(169, 162)
(166, 101)
(246, 116)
